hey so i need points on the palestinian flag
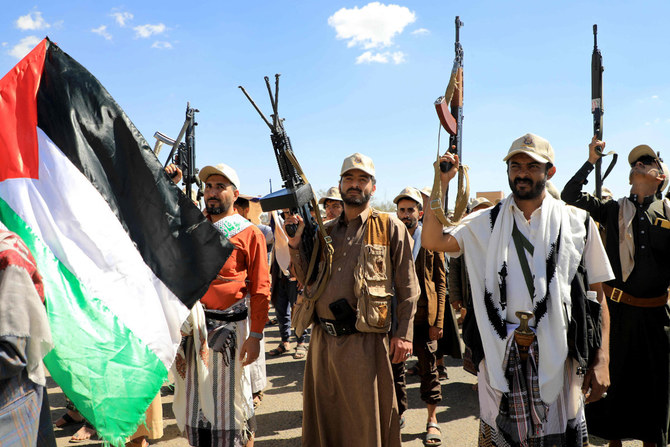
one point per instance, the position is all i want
(123, 252)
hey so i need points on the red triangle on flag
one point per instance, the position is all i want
(18, 116)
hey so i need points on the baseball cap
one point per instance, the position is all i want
(409, 193)
(220, 169)
(427, 191)
(642, 150)
(478, 201)
(332, 194)
(358, 161)
(534, 146)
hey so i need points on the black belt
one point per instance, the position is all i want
(226, 315)
(338, 328)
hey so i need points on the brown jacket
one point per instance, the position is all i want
(431, 272)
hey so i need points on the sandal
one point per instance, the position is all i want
(258, 398)
(402, 422)
(432, 439)
(279, 350)
(442, 371)
(138, 442)
(69, 420)
(90, 431)
(300, 352)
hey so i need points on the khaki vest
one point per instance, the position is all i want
(373, 285)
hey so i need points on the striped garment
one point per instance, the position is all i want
(230, 421)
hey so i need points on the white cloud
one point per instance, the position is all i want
(148, 30)
(122, 17)
(162, 45)
(398, 57)
(31, 21)
(372, 26)
(654, 97)
(24, 46)
(420, 31)
(4, 44)
(102, 30)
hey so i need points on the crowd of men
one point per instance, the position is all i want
(566, 325)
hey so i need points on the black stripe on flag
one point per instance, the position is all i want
(175, 240)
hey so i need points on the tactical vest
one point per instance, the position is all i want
(373, 282)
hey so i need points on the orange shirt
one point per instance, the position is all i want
(245, 272)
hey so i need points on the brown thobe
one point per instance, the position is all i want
(348, 393)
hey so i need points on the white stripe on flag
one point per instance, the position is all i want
(69, 214)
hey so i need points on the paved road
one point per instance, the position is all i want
(279, 416)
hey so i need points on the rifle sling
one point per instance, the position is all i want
(324, 241)
(612, 163)
(521, 243)
(437, 201)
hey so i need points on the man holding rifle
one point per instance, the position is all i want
(349, 398)
(522, 257)
(637, 240)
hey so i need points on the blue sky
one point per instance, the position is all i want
(362, 77)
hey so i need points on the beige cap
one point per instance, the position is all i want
(479, 201)
(220, 169)
(641, 151)
(536, 147)
(427, 191)
(358, 161)
(409, 193)
(332, 194)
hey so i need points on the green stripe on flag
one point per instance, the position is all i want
(101, 366)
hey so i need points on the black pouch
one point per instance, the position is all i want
(342, 311)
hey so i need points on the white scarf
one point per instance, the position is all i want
(490, 248)
(280, 250)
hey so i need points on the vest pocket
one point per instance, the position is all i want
(374, 258)
(376, 313)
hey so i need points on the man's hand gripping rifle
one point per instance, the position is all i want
(297, 194)
(450, 112)
(182, 153)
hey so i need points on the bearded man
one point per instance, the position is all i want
(348, 395)
(522, 258)
(213, 394)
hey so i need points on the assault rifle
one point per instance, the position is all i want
(182, 153)
(451, 115)
(450, 112)
(297, 193)
(598, 111)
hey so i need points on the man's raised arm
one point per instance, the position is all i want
(432, 236)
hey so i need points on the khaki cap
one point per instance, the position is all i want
(427, 191)
(479, 201)
(536, 147)
(409, 193)
(358, 161)
(220, 169)
(332, 194)
(641, 151)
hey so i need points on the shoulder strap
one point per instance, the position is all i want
(522, 243)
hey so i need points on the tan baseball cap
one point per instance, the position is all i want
(409, 193)
(534, 146)
(427, 191)
(358, 161)
(640, 151)
(479, 201)
(220, 169)
(332, 194)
